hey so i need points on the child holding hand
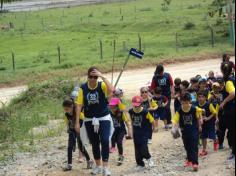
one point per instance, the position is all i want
(120, 121)
(209, 119)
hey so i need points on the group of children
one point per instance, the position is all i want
(197, 115)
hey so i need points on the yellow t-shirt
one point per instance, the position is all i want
(230, 87)
(212, 109)
(176, 118)
(150, 117)
(80, 98)
(153, 104)
(124, 117)
(122, 107)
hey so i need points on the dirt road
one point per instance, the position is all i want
(34, 5)
(132, 80)
(167, 153)
(6, 94)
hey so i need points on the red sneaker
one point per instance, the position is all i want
(195, 167)
(112, 150)
(187, 164)
(203, 153)
(216, 146)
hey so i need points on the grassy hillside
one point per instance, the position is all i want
(78, 31)
(35, 107)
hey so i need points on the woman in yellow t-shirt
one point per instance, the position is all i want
(228, 105)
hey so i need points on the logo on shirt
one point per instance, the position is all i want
(93, 98)
(162, 82)
(137, 120)
(116, 123)
(159, 102)
(188, 119)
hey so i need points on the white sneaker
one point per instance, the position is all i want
(139, 169)
(231, 162)
(151, 163)
(149, 141)
(106, 172)
(170, 126)
(97, 170)
(231, 156)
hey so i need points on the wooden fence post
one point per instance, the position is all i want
(59, 54)
(212, 37)
(140, 42)
(101, 50)
(13, 60)
(177, 41)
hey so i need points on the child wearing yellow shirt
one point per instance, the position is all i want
(120, 122)
(188, 118)
(209, 121)
(141, 119)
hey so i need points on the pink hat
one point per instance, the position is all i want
(137, 101)
(114, 102)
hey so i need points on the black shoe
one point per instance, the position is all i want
(120, 160)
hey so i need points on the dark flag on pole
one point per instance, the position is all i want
(138, 54)
(133, 52)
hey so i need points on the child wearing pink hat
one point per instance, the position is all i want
(120, 121)
(141, 119)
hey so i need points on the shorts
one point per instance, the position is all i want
(160, 115)
(208, 131)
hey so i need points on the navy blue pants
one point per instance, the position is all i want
(118, 138)
(229, 117)
(100, 140)
(222, 130)
(73, 137)
(150, 132)
(141, 148)
(168, 111)
(191, 147)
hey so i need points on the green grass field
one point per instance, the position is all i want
(78, 30)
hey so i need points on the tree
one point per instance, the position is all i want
(165, 5)
(6, 1)
(217, 7)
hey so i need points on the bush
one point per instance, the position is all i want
(3, 68)
(90, 15)
(145, 9)
(46, 61)
(106, 13)
(191, 44)
(189, 26)
(63, 66)
(195, 6)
